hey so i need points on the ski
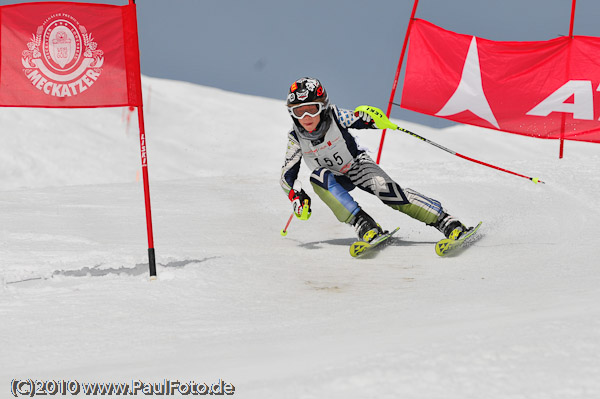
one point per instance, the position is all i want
(361, 248)
(447, 246)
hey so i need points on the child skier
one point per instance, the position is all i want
(320, 135)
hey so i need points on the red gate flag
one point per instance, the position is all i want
(71, 55)
(74, 55)
(531, 88)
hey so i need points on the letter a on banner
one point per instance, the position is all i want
(74, 55)
(582, 106)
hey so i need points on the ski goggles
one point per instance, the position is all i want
(301, 110)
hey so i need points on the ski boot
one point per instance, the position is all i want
(366, 228)
(451, 227)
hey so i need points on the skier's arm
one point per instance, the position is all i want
(289, 173)
(291, 166)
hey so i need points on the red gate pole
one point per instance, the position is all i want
(151, 255)
(395, 85)
(562, 131)
(144, 155)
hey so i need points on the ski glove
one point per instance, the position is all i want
(366, 118)
(300, 204)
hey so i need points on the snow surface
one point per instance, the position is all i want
(515, 316)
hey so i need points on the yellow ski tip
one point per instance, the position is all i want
(358, 247)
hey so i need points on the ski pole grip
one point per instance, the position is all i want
(305, 211)
(379, 117)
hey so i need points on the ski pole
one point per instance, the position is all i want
(297, 188)
(305, 215)
(383, 122)
(284, 231)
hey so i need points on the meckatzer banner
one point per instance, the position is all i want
(61, 54)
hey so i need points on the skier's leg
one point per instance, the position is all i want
(369, 176)
(334, 192)
(334, 195)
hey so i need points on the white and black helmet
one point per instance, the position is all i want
(307, 90)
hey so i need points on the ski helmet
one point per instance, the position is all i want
(307, 90)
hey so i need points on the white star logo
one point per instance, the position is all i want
(469, 95)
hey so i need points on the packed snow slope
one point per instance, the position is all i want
(515, 316)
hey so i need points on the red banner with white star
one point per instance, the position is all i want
(536, 89)
(69, 55)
